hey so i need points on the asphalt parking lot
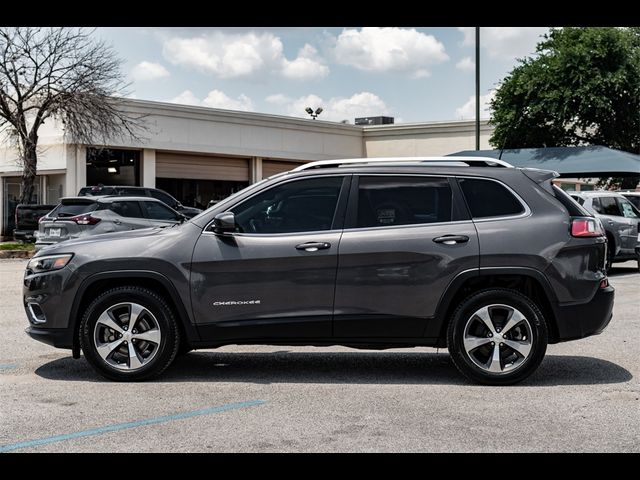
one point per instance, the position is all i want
(584, 397)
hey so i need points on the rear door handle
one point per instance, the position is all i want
(313, 246)
(451, 239)
(117, 222)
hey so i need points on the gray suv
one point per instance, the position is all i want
(621, 221)
(472, 254)
(79, 217)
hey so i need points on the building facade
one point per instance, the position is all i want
(199, 154)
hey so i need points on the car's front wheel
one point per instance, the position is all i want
(129, 333)
(497, 337)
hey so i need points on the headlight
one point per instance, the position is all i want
(48, 263)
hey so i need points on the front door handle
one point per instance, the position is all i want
(117, 222)
(313, 246)
(451, 239)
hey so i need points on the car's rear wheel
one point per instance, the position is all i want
(129, 333)
(497, 337)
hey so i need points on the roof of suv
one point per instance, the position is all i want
(596, 193)
(111, 199)
(473, 166)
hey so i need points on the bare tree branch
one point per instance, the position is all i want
(66, 74)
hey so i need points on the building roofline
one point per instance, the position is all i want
(237, 116)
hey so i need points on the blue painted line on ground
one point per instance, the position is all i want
(124, 426)
(7, 366)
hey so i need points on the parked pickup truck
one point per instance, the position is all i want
(27, 217)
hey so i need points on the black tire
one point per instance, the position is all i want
(610, 254)
(166, 322)
(511, 298)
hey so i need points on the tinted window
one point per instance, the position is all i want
(580, 200)
(607, 206)
(635, 199)
(570, 202)
(127, 209)
(134, 192)
(628, 210)
(299, 206)
(386, 201)
(486, 198)
(163, 197)
(72, 209)
(93, 191)
(158, 211)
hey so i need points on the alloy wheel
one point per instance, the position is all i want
(498, 339)
(127, 336)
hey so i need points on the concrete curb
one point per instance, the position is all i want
(16, 253)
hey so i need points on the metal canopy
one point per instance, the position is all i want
(591, 161)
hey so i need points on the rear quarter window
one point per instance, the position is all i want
(571, 203)
(487, 198)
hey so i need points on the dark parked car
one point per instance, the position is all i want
(488, 260)
(81, 217)
(26, 218)
(156, 193)
(621, 220)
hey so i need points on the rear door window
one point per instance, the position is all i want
(609, 206)
(127, 209)
(487, 198)
(396, 200)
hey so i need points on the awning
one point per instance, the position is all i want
(592, 161)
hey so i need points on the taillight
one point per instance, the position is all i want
(42, 219)
(586, 227)
(85, 219)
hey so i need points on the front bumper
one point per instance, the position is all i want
(47, 299)
(583, 320)
(56, 337)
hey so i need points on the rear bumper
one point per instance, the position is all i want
(24, 235)
(583, 320)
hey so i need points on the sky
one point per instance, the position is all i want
(412, 74)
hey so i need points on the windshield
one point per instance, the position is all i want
(72, 209)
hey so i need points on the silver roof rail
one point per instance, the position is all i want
(451, 161)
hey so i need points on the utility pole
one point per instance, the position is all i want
(477, 88)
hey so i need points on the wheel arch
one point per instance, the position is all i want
(100, 282)
(527, 281)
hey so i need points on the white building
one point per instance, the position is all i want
(198, 154)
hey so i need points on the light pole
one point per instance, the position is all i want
(477, 88)
(313, 114)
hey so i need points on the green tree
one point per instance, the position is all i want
(581, 88)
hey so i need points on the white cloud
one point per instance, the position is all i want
(336, 109)
(505, 42)
(218, 99)
(186, 98)
(468, 110)
(147, 71)
(215, 99)
(466, 65)
(389, 49)
(250, 54)
(306, 66)
(277, 99)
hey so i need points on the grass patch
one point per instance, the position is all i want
(16, 246)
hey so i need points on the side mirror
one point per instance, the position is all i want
(224, 222)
